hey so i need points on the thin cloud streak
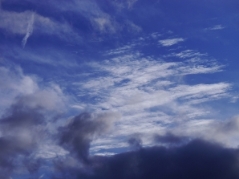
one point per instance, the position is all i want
(16, 23)
(29, 30)
(170, 42)
(216, 27)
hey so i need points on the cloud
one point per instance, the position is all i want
(166, 110)
(22, 131)
(104, 24)
(196, 159)
(170, 139)
(225, 131)
(151, 95)
(15, 84)
(101, 20)
(26, 122)
(78, 134)
(170, 42)
(131, 3)
(91, 13)
(188, 54)
(135, 142)
(216, 27)
(128, 4)
(29, 30)
(21, 23)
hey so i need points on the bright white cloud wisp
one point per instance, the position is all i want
(29, 30)
(170, 42)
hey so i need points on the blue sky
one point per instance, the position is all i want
(141, 68)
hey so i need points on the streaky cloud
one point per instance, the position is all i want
(170, 42)
(29, 29)
(216, 27)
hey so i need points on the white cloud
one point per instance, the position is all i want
(29, 30)
(100, 19)
(131, 3)
(188, 54)
(25, 90)
(155, 35)
(216, 27)
(104, 24)
(23, 23)
(170, 42)
(15, 84)
(128, 4)
(221, 131)
(150, 94)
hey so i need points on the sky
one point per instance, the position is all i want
(127, 89)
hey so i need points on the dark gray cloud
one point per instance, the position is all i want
(78, 134)
(19, 138)
(24, 129)
(135, 142)
(198, 159)
(230, 125)
(170, 139)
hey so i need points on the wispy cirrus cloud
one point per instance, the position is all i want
(216, 27)
(150, 94)
(91, 13)
(23, 23)
(29, 30)
(188, 54)
(170, 42)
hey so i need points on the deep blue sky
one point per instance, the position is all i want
(138, 68)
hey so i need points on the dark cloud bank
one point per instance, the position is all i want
(198, 159)
(195, 159)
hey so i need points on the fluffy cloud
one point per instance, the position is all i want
(15, 84)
